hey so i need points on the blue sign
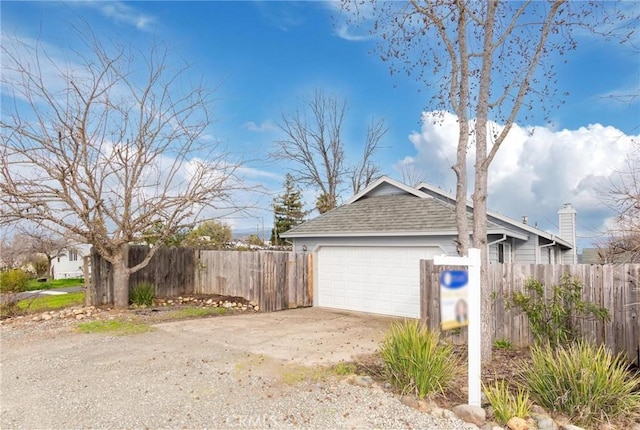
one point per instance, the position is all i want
(454, 278)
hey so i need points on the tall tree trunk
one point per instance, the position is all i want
(460, 100)
(460, 168)
(481, 180)
(121, 279)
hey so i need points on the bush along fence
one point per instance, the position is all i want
(274, 280)
(615, 288)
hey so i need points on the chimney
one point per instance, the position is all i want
(525, 219)
(567, 232)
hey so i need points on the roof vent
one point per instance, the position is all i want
(525, 219)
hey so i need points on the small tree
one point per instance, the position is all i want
(287, 210)
(553, 320)
(210, 235)
(254, 240)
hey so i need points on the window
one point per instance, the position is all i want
(504, 252)
(73, 255)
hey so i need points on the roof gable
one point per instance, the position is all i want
(385, 186)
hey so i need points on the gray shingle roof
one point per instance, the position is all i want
(388, 214)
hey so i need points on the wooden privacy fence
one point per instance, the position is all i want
(614, 287)
(274, 280)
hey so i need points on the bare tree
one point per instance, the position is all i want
(42, 242)
(106, 147)
(622, 242)
(411, 174)
(314, 143)
(487, 60)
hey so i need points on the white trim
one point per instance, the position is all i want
(398, 234)
(393, 183)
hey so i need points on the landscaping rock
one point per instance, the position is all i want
(471, 414)
(363, 381)
(410, 401)
(446, 413)
(427, 406)
(517, 423)
(571, 427)
(436, 412)
(537, 409)
(546, 423)
(469, 426)
(562, 420)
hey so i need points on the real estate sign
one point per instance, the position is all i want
(454, 299)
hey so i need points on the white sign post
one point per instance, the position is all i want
(474, 348)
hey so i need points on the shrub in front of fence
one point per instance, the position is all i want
(416, 362)
(553, 319)
(585, 382)
(505, 404)
(142, 294)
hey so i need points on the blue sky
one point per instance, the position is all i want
(263, 56)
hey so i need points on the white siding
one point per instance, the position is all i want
(70, 264)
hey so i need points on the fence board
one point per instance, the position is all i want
(615, 287)
(274, 280)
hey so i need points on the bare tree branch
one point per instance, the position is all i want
(108, 147)
(313, 143)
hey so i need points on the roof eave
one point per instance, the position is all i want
(526, 227)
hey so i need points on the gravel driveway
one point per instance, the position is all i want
(244, 371)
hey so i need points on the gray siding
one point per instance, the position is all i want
(524, 252)
(385, 190)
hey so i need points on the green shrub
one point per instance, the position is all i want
(142, 294)
(14, 281)
(415, 361)
(506, 405)
(583, 381)
(553, 319)
(503, 343)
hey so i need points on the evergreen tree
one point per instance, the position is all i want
(287, 210)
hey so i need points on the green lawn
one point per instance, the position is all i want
(54, 283)
(114, 327)
(49, 303)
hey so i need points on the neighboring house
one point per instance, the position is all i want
(69, 264)
(366, 252)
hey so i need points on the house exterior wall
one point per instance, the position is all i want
(445, 243)
(70, 264)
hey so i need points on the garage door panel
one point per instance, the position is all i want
(383, 280)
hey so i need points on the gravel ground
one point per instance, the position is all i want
(53, 377)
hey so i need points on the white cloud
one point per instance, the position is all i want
(346, 32)
(264, 126)
(535, 171)
(121, 12)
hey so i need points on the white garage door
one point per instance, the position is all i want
(381, 280)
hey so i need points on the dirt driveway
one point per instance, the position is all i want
(244, 371)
